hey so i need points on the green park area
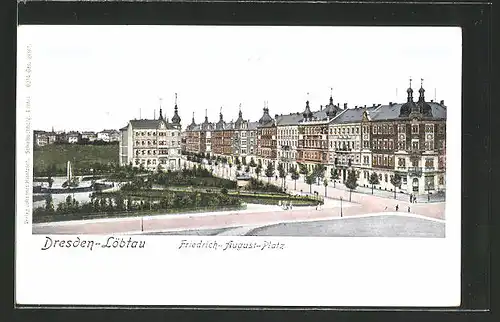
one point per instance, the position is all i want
(52, 159)
(165, 192)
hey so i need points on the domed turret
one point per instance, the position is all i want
(423, 106)
(176, 119)
(409, 106)
(307, 114)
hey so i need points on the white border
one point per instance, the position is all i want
(307, 272)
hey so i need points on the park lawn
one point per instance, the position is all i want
(81, 156)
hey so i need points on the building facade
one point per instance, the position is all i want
(266, 139)
(408, 139)
(152, 142)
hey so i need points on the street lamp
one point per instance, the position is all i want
(341, 207)
(142, 224)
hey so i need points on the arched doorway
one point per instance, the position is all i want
(415, 184)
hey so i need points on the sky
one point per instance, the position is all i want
(100, 77)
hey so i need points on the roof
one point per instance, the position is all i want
(350, 115)
(391, 112)
(253, 125)
(150, 124)
(289, 119)
(104, 131)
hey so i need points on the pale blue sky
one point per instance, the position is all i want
(96, 77)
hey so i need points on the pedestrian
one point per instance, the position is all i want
(408, 208)
(290, 205)
(316, 206)
(385, 208)
(397, 207)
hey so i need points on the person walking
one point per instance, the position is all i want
(411, 198)
(397, 207)
(408, 208)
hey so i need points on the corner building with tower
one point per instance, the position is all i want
(151, 143)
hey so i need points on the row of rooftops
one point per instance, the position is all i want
(335, 114)
(54, 133)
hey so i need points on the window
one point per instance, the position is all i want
(391, 144)
(414, 129)
(401, 163)
(429, 128)
(385, 177)
(402, 128)
(357, 130)
(414, 144)
(374, 129)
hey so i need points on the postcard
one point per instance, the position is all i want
(276, 165)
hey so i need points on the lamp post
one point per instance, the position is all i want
(341, 207)
(428, 185)
(142, 224)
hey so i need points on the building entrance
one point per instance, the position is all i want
(415, 185)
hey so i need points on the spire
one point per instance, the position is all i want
(161, 115)
(220, 113)
(176, 118)
(193, 116)
(206, 116)
(331, 96)
(410, 93)
(240, 114)
(421, 91)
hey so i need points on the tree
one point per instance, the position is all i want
(319, 171)
(159, 168)
(269, 171)
(334, 175)
(373, 180)
(295, 176)
(247, 169)
(230, 166)
(238, 167)
(282, 174)
(303, 169)
(49, 204)
(258, 170)
(243, 160)
(237, 161)
(325, 183)
(396, 182)
(310, 181)
(351, 182)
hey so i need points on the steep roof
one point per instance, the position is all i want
(150, 124)
(350, 115)
(392, 112)
(289, 119)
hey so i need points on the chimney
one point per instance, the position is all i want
(345, 106)
(373, 105)
(275, 116)
(365, 106)
(442, 102)
(390, 103)
(432, 101)
(321, 107)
